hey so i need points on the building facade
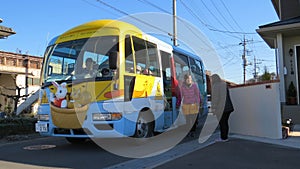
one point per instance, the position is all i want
(284, 37)
(19, 78)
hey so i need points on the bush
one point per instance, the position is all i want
(292, 90)
(12, 126)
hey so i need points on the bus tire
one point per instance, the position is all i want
(74, 140)
(144, 125)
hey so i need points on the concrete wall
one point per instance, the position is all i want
(257, 111)
(20, 80)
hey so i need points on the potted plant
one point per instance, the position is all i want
(291, 94)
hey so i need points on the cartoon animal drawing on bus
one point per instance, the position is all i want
(60, 96)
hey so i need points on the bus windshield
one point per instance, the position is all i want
(81, 59)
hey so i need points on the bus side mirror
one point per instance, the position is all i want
(113, 59)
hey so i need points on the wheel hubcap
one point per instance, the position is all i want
(142, 128)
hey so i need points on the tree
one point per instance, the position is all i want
(266, 75)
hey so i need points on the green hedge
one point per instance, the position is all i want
(12, 126)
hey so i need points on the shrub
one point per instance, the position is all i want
(12, 126)
(292, 90)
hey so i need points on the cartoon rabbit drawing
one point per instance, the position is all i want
(60, 96)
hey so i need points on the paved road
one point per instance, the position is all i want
(58, 153)
(55, 153)
(50, 152)
(239, 154)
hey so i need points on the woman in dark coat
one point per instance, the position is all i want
(224, 127)
(221, 105)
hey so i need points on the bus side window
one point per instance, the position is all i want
(128, 55)
(181, 65)
(153, 62)
(141, 55)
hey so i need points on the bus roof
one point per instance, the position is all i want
(182, 51)
(91, 29)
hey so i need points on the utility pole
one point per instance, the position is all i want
(244, 43)
(244, 59)
(255, 72)
(174, 24)
(255, 76)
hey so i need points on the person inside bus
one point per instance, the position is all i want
(138, 69)
(190, 98)
(147, 71)
(89, 70)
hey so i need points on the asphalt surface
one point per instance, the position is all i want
(240, 152)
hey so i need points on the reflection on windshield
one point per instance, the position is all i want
(80, 59)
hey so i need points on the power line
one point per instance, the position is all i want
(231, 15)
(155, 6)
(186, 25)
(209, 27)
(195, 15)
(91, 4)
(214, 16)
(222, 15)
(137, 19)
(265, 60)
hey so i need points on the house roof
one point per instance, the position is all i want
(286, 9)
(5, 32)
(283, 22)
(288, 27)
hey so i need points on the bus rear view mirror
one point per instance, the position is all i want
(113, 58)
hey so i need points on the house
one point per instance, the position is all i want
(284, 37)
(19, 76)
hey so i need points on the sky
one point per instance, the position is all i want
(222, 25)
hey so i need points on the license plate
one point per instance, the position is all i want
(41, 127)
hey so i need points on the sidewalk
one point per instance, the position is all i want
(244, 152)
(240, 152)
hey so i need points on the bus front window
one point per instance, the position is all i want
(81, 59)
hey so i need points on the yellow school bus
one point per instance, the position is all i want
(107, 79)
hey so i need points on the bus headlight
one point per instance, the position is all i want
(43, 117)
(106, 116)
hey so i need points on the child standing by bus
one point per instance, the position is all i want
(190, 96)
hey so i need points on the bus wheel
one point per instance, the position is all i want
(144, 127)
(74, 140)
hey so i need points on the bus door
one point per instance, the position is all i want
(167, 83)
